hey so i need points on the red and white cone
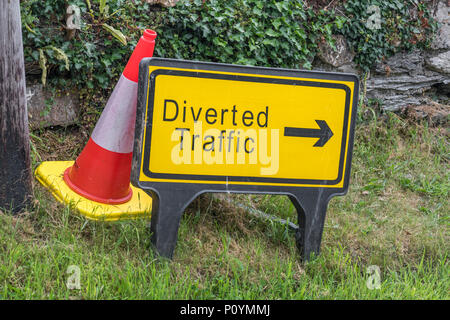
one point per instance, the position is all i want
(102, 171)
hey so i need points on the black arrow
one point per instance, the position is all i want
(324, 133)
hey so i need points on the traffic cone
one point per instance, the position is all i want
(101, 173)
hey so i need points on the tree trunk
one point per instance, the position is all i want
(15, 170)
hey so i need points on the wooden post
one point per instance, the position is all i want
(15, 169)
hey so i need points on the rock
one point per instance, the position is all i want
(46, 109)
(351, 67)
(339, 57)
(440, 63)
(399, 91)
(402, 80)
(404, 83)
(410, 63)
(164, 3)
(348, 68)
(442, 15)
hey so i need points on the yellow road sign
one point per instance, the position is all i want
(205, 127)
(234, 125)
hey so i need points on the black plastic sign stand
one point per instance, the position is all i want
(170, 198)
(170, 201)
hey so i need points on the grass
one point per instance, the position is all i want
(395, 216)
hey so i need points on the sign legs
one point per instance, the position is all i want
(170, 203)
(168, 207)
(311, 207)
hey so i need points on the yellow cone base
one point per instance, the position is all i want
(50, 174)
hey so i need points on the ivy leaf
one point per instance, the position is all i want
(340, 22)
(206, 31)
(272, 33)
(282, 6)
(270, 42)
(220, 18)
(239, 27)
(219, 42)
(276, 23)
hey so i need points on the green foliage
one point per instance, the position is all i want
(252, 32)
(272, 33)
(404, 25)
(287, 33)
(97, 53)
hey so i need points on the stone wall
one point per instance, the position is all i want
(417, 82)
(48, 108)
(406, 80)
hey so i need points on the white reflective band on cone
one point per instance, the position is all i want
(115, 128)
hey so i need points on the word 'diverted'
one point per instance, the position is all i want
(214, 115)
